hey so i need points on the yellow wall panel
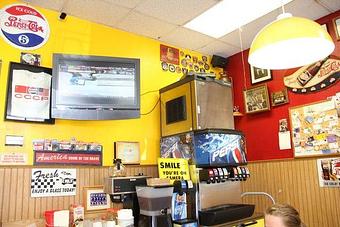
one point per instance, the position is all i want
(76, 36)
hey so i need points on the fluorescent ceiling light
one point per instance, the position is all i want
(228, 15)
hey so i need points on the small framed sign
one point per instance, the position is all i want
(336, 22)
(256, 99)
(128, 152)
(279, 97)
(258, 75)
(95, 199)
(29, 93)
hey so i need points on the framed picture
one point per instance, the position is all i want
(313, 129)
(256, 99)
(169, 54)
(336, 22)
(95, 199)
(29, 58)
(29, 93)
(128, 152)
(258, 75)
(324, 27)
(279, 97)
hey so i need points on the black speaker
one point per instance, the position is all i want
(218, 61)
(62, 16)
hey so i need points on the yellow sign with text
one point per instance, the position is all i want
(173, 168)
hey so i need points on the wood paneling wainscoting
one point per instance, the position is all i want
(294, 182)
(15, 195)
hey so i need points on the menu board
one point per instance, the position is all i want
(315, 129)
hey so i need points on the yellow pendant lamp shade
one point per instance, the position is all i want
(290, 42)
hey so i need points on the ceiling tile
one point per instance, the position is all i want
(175, 11)
(306, 8)
(104, 13)
(186, 38)
(332, 5)
(219, 48)
(296, 8)
(126, 3)
(48, 4)
(145, 25)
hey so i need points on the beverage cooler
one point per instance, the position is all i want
(217, 159)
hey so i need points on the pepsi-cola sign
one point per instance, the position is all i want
(23, 27)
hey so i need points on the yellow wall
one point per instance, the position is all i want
(76, 36)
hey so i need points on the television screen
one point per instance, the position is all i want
(95, 88)
(219, 148)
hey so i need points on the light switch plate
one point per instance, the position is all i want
(11, 140)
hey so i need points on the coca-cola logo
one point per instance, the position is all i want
(23, 27)
(328, 68)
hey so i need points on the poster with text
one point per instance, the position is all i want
(173, 169)
(53, 182)
(329, 172)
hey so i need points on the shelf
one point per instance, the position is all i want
(238, 114)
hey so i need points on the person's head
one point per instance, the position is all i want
(282, 215)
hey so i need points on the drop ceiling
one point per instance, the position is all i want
(163, 20)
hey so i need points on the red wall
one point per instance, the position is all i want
(261, 129)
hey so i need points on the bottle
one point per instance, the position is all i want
(310, 72)
(118, 169)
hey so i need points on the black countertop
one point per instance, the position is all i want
(237, 223)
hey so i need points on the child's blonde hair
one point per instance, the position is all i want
(290, 216)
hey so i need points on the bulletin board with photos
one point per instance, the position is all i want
(315, 129)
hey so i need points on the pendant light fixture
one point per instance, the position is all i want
(290, 42)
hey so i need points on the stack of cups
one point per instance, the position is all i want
(110, 224)
(125, 218)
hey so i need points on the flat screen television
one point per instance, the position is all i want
(95, 87)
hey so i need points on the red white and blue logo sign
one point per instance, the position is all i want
(23, 27)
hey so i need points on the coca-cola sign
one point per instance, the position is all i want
(23, 27)
(314, 77)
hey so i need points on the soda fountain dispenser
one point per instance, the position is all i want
(217, 169)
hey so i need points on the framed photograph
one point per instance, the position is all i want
(128, 152)
(258, 75)
(256, 99)
(279, 97)
(169, 54)
(29, 93)
(336, 22)
(95, 199)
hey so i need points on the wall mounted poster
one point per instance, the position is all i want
(315, 129)
(13, 158)
(329, 172)
(53, 182)
(95, 198)
(314, 77)
(28, 93)
(173, 169)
